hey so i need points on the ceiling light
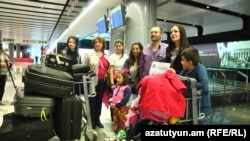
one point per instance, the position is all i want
(85, 11)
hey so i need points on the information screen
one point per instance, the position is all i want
(102, 25)
(117, 16)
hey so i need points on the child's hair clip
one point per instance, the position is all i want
(126, 71)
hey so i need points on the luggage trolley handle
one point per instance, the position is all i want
(8, 68)
(88, 79)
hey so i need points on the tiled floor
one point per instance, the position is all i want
(222, 114)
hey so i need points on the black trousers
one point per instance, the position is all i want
(2, 85)
(96, 102)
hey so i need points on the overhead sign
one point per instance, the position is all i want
(9, 40)
(35, 42)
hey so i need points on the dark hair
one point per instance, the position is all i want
(183, 39)
(121, 42)
(76, 40)
(161, 30)
(191, 54)
(125, 77)
(102, 39)
(1, 47)
(132, 58)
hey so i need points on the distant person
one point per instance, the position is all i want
(71, 51)
(155, 51)
(192, 68)
(178, 42)
(36, 58)
(118, 101)
(3, 71)
(97, 60)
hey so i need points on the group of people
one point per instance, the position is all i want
(127, 70)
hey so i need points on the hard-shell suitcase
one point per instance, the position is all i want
(19, 128)
(33, 105)
(67, 118)
(47, 81)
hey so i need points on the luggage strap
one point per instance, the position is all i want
(43, 115)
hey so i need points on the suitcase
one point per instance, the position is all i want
(58, 62)
(80, 68)
(68, 117)
(18, 128)
(47, 81)
(33, 105)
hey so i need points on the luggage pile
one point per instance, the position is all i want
(47, 105)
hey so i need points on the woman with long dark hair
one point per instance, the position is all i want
(178, 41)
(132, 64)
(71, 51)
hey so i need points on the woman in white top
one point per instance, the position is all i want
(97, 60)
(116, 60)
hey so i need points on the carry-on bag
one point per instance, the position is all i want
(67, 118)
(47, 81)
(33, 105)
(18, 128)
(80, 68)
(58, 62)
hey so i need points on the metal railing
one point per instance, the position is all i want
(219, 83)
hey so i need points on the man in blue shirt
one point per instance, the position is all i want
(155, 51)
(192, 68)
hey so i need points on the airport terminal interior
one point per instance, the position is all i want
(220, 30)
(230, 104)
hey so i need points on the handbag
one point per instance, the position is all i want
(107, 78)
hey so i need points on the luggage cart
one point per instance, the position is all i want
(86, 89)
(193, 100)
(192, 113)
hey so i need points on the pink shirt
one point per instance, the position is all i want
(102, 67)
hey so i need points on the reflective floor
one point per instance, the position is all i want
(236, 112)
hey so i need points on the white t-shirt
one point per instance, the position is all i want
(117, 61)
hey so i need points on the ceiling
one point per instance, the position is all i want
(46, 20)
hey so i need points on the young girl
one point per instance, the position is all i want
(119, 99)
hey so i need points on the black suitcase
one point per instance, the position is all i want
(47, 81)
(68, 118)
(33, 105)
(80, 68)
(18, 128)
(58, 62)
